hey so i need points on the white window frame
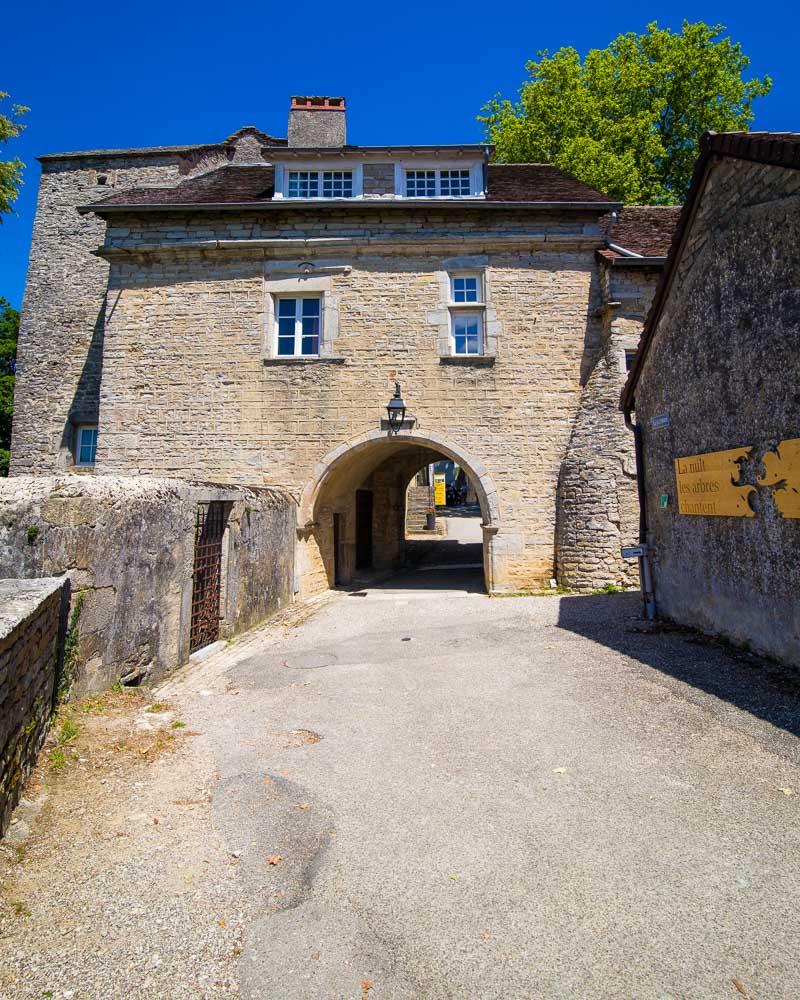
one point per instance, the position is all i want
(78, 439)
(298, 323)
(476, 308)
(476, 180)
(282, 171)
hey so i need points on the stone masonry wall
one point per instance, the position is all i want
(31, 645)
(127, 544)
(186, 390)
(419, 500)
(60, 356)
(723, 369)
(598, 509)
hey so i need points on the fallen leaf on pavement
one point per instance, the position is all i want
(740, 988)
(301, 805)
(559, 770)
(366, 986)
(786, 791)
(274, 859)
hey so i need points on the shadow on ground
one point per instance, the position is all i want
(756, 685)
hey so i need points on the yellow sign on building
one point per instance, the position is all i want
(783, 471)
(440, 489)
(707, 484)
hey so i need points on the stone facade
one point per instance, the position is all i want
(32, 629)
(598, 506)
(158, 327)
(127, 545)
(720, 372)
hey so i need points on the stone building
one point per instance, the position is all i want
(238, 312)
(716, 396)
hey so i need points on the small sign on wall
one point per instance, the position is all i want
(440, 489)
(707, 484)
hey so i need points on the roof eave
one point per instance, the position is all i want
(102, 210)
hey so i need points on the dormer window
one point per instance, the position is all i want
(320, 184)
(438, 183)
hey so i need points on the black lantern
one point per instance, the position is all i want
(396, 409)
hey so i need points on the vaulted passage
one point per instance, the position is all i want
(366, 513)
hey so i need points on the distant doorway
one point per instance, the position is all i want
(337, 549)
(364, 500)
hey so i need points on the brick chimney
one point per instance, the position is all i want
(317, 121)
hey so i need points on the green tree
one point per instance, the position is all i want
(627, 119)
(10, 170)
(9, 330)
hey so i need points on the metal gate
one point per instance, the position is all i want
(206, 578)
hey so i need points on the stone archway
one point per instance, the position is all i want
(371, 457)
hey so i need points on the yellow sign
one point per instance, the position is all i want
(783, 471)
(707, 484)
(440, 489)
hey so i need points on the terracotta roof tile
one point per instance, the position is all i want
(231, 184)
(537, 182)
(646, 230)
(235, 184)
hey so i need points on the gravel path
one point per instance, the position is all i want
(417, 792)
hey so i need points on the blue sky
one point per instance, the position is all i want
(109, 75)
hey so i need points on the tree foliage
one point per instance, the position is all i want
(10, 170)
(9, 331)
(627, 119)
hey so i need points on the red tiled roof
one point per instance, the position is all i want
(254, 183)
(646, 230)
(231, 184)
(537, 182)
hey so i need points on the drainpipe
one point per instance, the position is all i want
(645, 569)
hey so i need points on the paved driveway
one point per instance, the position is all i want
(506, 798)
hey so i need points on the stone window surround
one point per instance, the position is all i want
(70, 440)
(282, 171)
(475, 172)
(284, 281)
(475, 167)
(440, 318)
(79, 430)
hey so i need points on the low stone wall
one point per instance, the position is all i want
(127, 544)
(32, 620)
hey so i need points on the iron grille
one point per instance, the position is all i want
(206, 578)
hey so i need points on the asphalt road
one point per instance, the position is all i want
(509, 798)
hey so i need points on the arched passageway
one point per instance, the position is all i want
(352, 516)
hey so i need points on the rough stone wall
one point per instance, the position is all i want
(723, 367)
(351, 229)
(419, 499)
(128, 546)
(379, 180)
(317, 128)
(31, 646)
(598, 506)
(60, 356)
(186, 391)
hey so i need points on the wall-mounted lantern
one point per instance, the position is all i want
(396, 409)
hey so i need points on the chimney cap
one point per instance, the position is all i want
(308, 103)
